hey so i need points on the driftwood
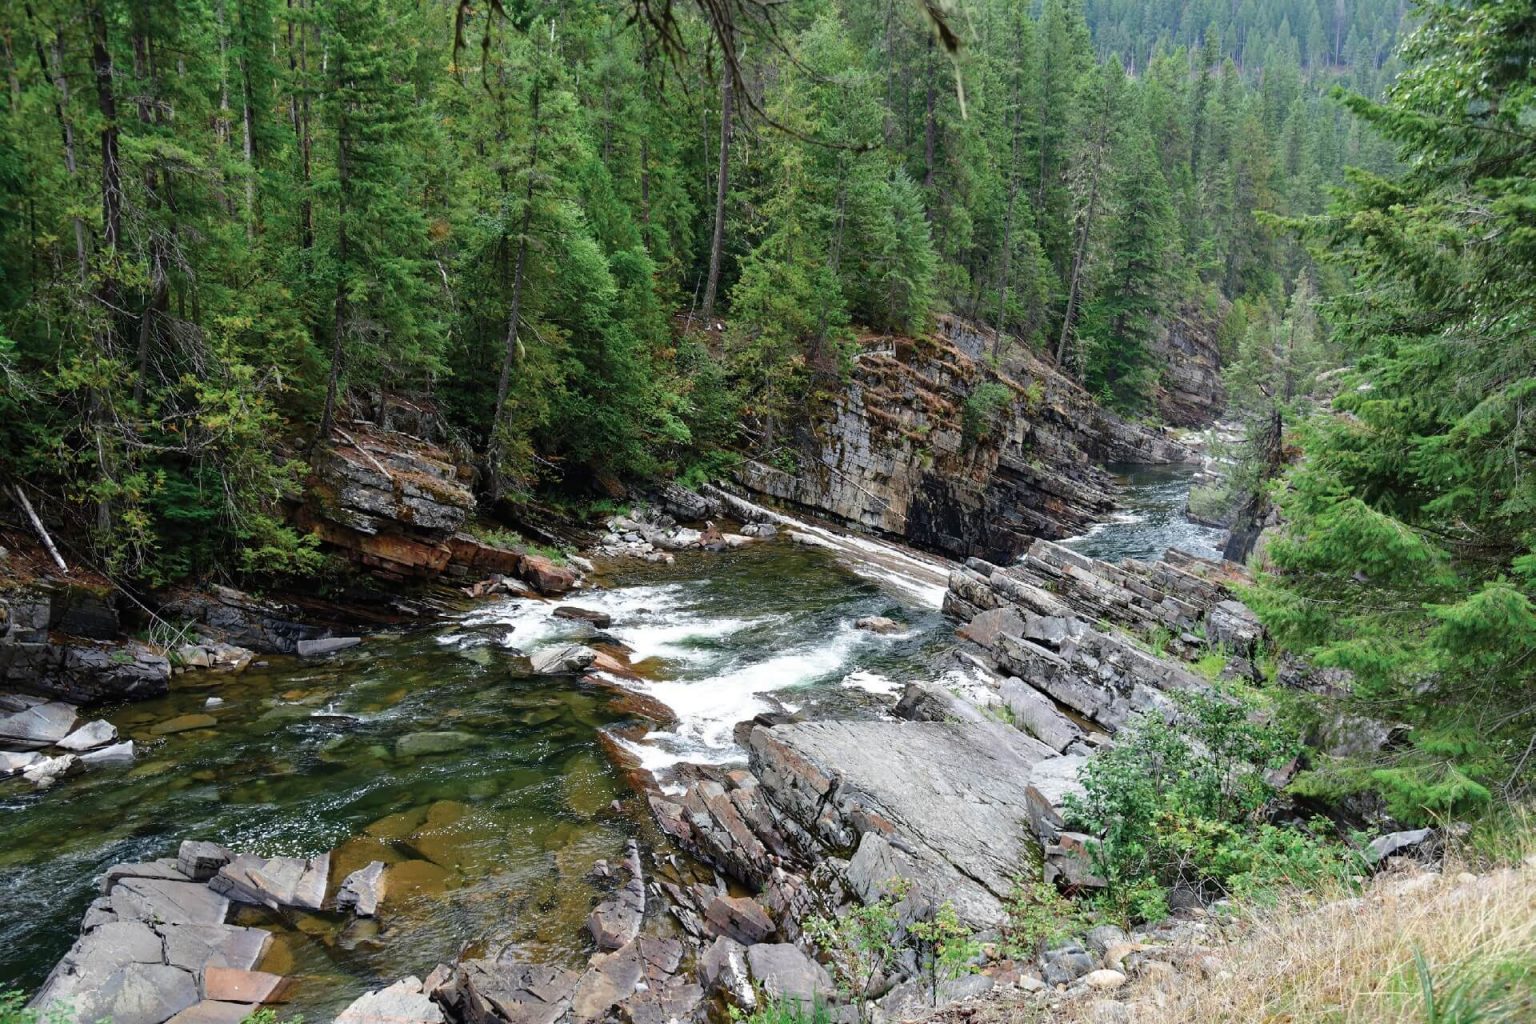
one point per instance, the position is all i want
(37, 524)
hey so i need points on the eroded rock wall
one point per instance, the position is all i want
(1187, 353)
(894, 452)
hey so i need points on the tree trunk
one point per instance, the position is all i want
(298, 114)
(514, 309)
(1079, 259)
(722, 179)
(339, 327)
(1002, 287)
(930, 125)
(155, 301)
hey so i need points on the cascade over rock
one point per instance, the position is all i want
(893, 451)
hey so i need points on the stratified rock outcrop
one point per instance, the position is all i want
(897, 451)
(391, 500)
(1187, 354)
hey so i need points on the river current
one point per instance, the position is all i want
(490, 841)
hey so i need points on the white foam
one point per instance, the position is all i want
(871, 682)
(708, 708)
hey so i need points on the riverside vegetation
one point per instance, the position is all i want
(612, 243)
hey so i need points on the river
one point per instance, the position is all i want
(492, 841)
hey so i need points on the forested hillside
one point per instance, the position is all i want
(224, 221)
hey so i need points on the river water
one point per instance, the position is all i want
(490, 843)
(1151, 518)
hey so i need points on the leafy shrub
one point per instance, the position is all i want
(1177, 804)
(785, 1011)
(945, 947)
(861, 942)
(1036, 916)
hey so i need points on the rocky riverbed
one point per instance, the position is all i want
(621, 804)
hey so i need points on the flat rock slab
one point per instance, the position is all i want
(784, 972)
(117, 753)
(950, 798)
(161, 901)
(13, 762)
(404, 1002)
(424, 744)
(229, 985)
(210, 1011)
(200, 946)
(165, 869)
(41, 725)
(487, 990)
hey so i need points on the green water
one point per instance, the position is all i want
(499, 834)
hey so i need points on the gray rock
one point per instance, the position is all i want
(325, 645)
(564, 660)
(723, 971)
(117, 753)
(784, 973)
(1102, 937)
(1232, 627)
(616, 922)
(41, 725)
(913, 1000)
(424, 744)
(362, 890)
(200, 860)
(1037, 715)
(929, 702)
(275, 882)
(89, 737)
(678, 539)
(1065, 965)
(12, 762)
(115, 972)
(164, 901)
(1397, 843)
(1050, 783)
(739, 917)
(404, 1002)
(165, 869)
(196, 946)
(491, 992)
(614, 977)
(952, 795)
(878, 624)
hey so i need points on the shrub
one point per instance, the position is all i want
(1177, 804)
(981, 415)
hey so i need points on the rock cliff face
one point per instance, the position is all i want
(63, 640)
(912, 448)
(1188, 357)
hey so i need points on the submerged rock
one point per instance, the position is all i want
(425, 744)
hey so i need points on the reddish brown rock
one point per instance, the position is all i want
(545, 576)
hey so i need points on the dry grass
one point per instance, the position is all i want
(1448, 948)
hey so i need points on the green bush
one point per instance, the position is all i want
(1178, 804)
